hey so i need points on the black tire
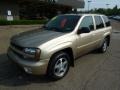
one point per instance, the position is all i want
(104, 46)
(55, 61)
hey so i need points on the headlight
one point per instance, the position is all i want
(32, 53)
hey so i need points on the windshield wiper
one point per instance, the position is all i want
(53, 29)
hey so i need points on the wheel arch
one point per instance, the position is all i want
(108, 37)
(69, 51)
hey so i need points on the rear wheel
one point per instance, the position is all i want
(59, 65)
(104, 46)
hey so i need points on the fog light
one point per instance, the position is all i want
(28, 70)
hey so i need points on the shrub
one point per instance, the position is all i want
(22, 22)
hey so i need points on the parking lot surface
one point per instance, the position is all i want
(93, 71)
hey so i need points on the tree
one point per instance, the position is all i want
(115, 10)
(109, 12)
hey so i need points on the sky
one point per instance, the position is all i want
(101, 4)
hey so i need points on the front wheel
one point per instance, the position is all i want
(59, 65)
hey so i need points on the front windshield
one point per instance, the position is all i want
(63, 23)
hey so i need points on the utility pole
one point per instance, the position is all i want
(89, 5)
(107, 5)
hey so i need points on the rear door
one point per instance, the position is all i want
(99, 31)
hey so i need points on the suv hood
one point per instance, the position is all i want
(34, 38)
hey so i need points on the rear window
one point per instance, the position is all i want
(106, 20)
(99, 22)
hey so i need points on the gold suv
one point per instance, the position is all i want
(52, 49)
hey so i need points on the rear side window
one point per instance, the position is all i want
(87, 22)
(106, 20)
(99, 22)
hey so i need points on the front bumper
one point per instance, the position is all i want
(35, 68)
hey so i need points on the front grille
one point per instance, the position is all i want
(18, 54)
(18, 50)
(17, 46)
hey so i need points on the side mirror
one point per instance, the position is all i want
(83, 30)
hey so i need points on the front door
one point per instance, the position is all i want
(85, 40)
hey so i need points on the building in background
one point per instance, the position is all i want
(15, 9)
(74, 3)
(9, 9)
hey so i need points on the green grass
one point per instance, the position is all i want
(22, 22)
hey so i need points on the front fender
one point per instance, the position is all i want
(60, 47)
(46, 53)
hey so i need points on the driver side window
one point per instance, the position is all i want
(87, 22)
